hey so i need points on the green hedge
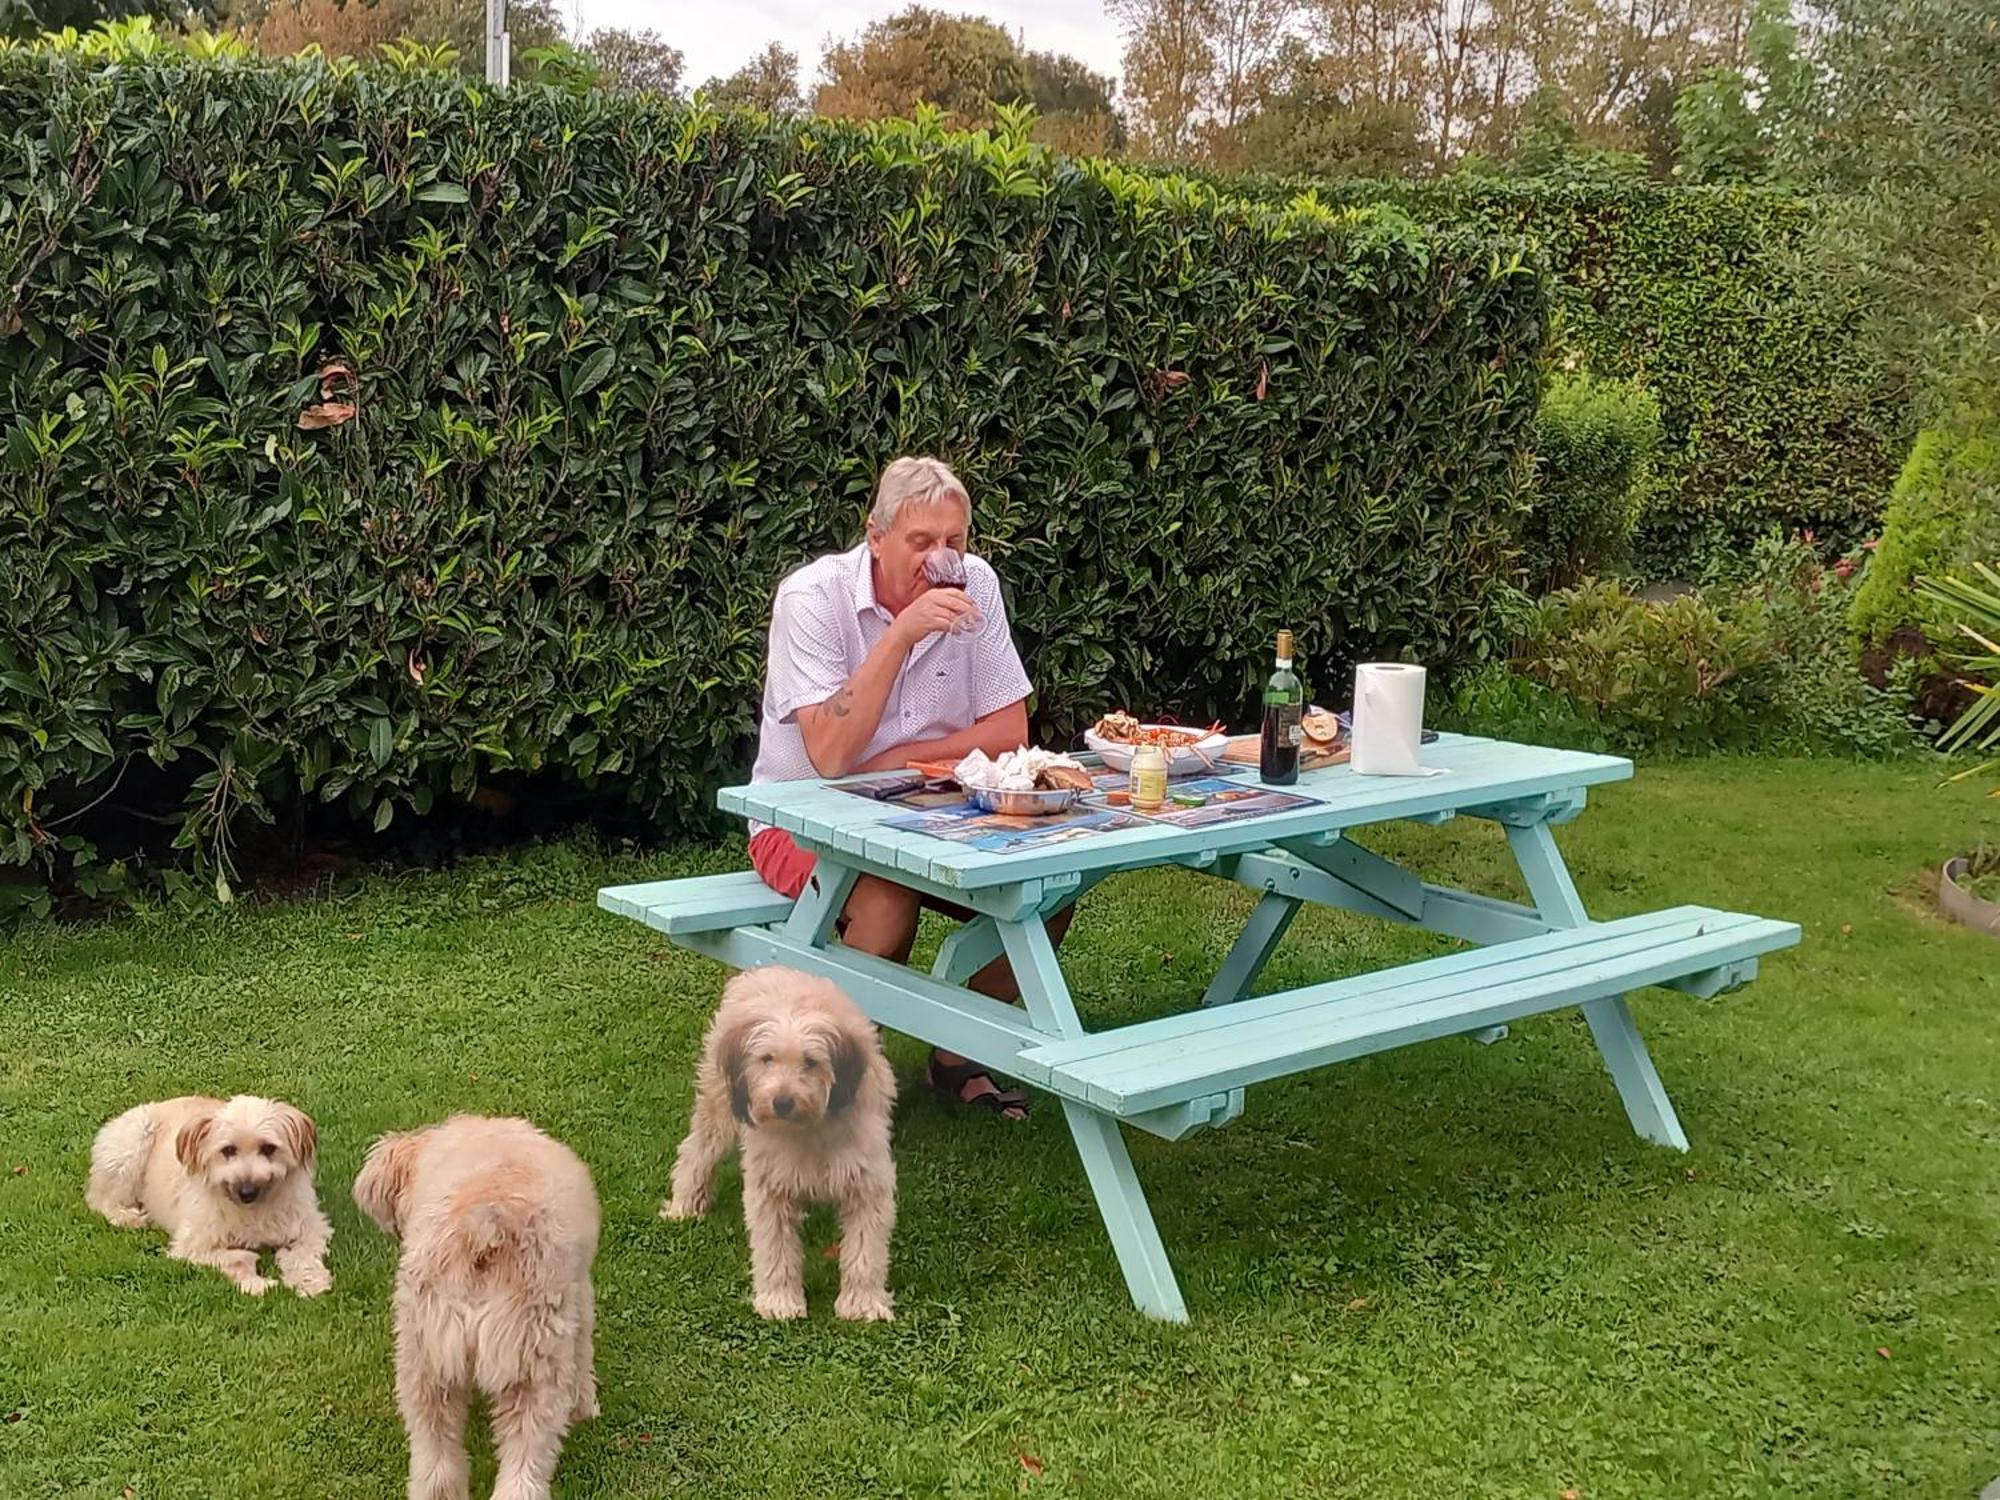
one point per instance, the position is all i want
(617, 367)
(1776, 411)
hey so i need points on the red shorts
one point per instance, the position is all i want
(780, 862)
(782, 865)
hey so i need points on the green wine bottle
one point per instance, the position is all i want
(1284, 706)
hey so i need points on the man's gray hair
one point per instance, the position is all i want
(923, 480)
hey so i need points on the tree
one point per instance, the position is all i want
(966, 66)
(961, 64)
(635, 61)
(27, 18)
(1911, 111)
(1303, 126)
(1738, 124)
(1245, 37)
(357, 28)
(1169, 62)
(1073, 108)
(768, 82)
(339, 28)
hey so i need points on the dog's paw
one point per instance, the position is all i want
(586, 1406)
(780, 1305)
(312, 1282)
(865, 1307)
(256, 1286)
(127, 1218)
(689, 1207)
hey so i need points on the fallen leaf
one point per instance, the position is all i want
(1357, 1304)
(1572, 1493)
(1166, 958)
(354, 937)
(10, 322)
(417, 670)
(15, 1415)
(326, 414)
(1264, 380)
(128, 1492)
(831, 1252)
(1884, 1352)
(645, 1437)
(1032, 1464)
(1847, 929)
(21, 1169)
(1300, 1380)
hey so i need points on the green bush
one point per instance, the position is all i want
(1943, 516)
(1761, 662)
(1595, 441)
(1775, 408)
(1681, 675)
(369, 433)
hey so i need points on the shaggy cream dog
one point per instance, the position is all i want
(793, 1073)
(499, 1227)
(225, 1179)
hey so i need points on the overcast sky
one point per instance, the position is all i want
(719, 36)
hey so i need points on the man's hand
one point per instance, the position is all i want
(930, 613)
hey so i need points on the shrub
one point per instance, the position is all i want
(1943, 516)
(1679, 675)
(1594, 447)
(1821, 701)
(1776, 409)
(1760, 662)
(369, 434)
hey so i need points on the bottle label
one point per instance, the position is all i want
(1290, 730)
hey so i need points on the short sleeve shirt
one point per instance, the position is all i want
(826, 620)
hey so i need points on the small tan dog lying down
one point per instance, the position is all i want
(225, 1179)
(793, 1073)
(499, 1227)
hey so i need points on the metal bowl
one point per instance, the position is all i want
(1023, 804)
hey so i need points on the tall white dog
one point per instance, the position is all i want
(793, 1073)
(225, 1179)
(499, 1228)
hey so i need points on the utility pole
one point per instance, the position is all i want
(498, 45)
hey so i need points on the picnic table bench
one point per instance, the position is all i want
(1179, 1073)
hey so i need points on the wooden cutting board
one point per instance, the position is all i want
(1244, 750)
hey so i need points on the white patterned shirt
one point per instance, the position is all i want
(824, 622)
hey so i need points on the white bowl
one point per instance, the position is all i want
(1202, 755)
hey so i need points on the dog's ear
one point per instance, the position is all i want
(385, 1178)
(730, 1045)
(192, 1140)
(300, 1134)
(851, 1052)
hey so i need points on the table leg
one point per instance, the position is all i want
(1128, 1219)
(1252, 950)
(1611, 1024)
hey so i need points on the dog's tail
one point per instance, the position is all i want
(118, 1165)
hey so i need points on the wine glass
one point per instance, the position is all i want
(945, 569)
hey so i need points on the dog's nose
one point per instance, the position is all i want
(246, 1192)
(782, 1105)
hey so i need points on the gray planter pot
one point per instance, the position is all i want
(1956, 902)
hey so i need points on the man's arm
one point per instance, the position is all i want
(1000, 731)
(838, 730)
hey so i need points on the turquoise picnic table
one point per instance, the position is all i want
(1180, 1073)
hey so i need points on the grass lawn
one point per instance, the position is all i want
(1448, 1271)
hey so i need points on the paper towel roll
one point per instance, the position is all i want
(1388, 718)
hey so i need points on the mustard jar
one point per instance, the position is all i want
(1147, 778)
